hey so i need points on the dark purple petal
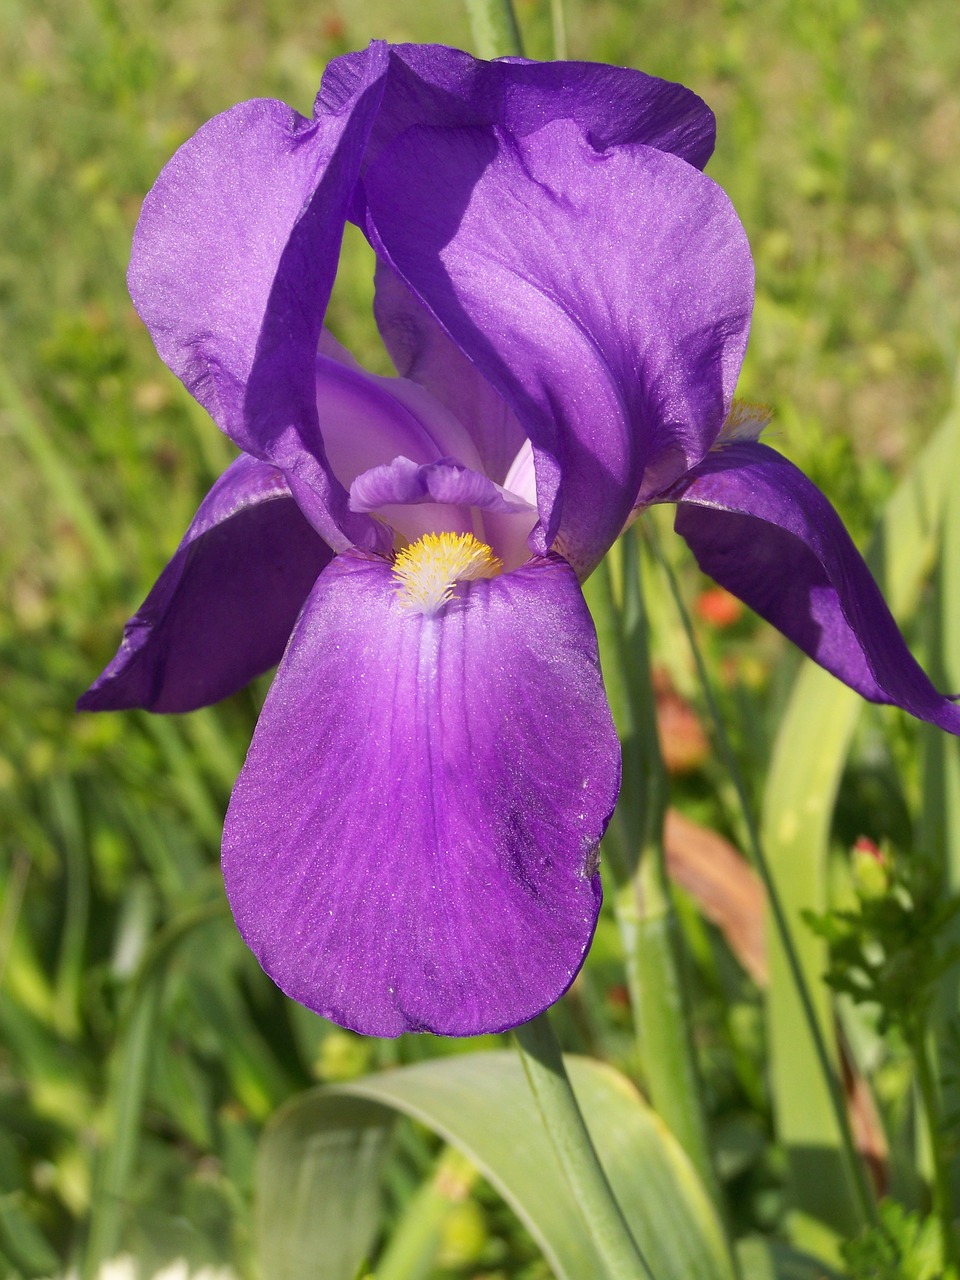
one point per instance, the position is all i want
(760, 528)
(606, 297)
(233, 261)
(412, 842)
(421, 350)
(223, 608)
(435, 85)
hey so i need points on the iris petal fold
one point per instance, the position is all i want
(412, 843)
(612, 106)
(366, 421)
(424, 353)
(761, 529)
(222, 610)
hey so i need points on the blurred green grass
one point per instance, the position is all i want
(838, 132)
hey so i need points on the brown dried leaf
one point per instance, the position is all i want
(723, 884)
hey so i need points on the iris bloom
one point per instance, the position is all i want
(412, 842)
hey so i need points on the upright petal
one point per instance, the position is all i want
(412, 843)
(605, 296)
(430, 84)
(760, 528)
(233, 261)
(223, 608)
(434, 85)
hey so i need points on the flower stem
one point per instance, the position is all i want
(562, 1118)
(855, 1168)
(558, 22)
(496, 33)
(942, 1195)
(634, 844)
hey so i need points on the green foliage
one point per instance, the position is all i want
(904, 1246)
(889, 952)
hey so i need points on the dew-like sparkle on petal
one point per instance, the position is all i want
(427, 571)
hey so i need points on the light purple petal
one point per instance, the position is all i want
(421, 351)
(366, 421)
(434, 85)
(606, 297)
(760, 528)
(446, 496)
(412, 842)
(233, 261)
(223, 608)
(446, 481)
(397, 492)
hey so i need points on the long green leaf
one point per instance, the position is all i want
(22, 1242)
(763, 1260)
(128, 1090)
(412, 1251)
(55, 475)
(938, 833)
(481, 1104)
(634, 849)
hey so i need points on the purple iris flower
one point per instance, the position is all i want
(412, 842)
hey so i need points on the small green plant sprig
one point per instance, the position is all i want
(891, 951)
(905, 1246)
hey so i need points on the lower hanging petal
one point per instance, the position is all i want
(223, 608)
(765, 532)
(412, 843)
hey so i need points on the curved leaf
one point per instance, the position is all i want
(481, 1104)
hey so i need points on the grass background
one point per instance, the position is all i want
(140, 1047)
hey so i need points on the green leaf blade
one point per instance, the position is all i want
(481, 1104)
(318, 1197)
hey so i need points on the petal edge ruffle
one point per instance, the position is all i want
(434, 85)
